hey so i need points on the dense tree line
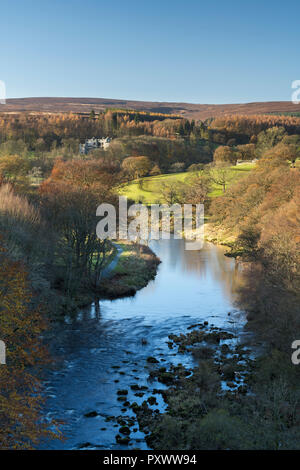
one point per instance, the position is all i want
(262, 211)
(46, 131)
(163, 152)
(239, 129)
(274, 140)
(30, 143)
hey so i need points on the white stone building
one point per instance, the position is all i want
(94, 143)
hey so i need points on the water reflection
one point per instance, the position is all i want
(181, 268)
(103, 348)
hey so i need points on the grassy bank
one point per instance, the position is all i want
(137, 265)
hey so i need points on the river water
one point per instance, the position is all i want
(105, 347)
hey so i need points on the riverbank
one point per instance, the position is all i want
(137, 265)
(218, 235)
(231, 400)
(128, 268)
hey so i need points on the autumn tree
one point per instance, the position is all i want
(21, 226)
(86, 173)
(221, 175)
(246, 152)
(197, 189)
(170, 193)
(13, 167)
(225, 154)
(293, 141)
(268, 139)
(136, 167)
(281, 154)
(72, 210)
(21, 326)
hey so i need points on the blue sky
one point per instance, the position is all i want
(168, 50)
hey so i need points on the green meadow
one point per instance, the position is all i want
(148, 189)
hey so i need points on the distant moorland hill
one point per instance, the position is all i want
(188, 110)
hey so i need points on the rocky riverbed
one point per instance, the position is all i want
(119, 364)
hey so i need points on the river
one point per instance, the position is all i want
(105, 347)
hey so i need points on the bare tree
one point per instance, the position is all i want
(221, 175)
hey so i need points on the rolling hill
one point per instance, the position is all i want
(188, 110)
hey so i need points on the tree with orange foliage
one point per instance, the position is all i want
(21, 424)
(137, 167)
(86, 173)
(225, 154)
(280, 155)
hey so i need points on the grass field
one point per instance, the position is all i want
(148, 190)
